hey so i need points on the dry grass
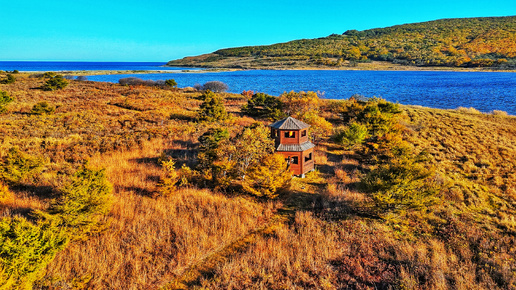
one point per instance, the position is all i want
(151, 240)
(318, 235)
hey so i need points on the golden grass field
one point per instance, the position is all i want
(318, 235)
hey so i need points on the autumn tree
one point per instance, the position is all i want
(305, 106)
(268, 177)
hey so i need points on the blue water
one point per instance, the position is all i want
(485, 91)
(81, 66)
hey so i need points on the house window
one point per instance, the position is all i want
(290, 134)
(294, 160)
(303, 133)
(308, 157)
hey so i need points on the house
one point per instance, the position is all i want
(291, 140)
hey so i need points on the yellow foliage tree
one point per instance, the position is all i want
(305, 106)
(268, 177)
(168, 182)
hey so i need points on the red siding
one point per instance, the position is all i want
(294, 168)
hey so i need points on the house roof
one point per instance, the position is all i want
(289, 123)
(295, 147)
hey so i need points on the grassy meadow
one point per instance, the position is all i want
(344, 226)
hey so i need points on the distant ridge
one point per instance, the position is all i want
(461, 42)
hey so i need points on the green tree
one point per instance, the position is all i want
(352, 135)
(212, 109)
(83, 201)
(264, 106)
(42, 108)
(209, 144)
(171, 83)
(5, 100)
(55, 83)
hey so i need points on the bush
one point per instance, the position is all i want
(198, 87)
(81, 78)
(265, 106)
(83, 201)
(26, 249)
(55, 83)
(350, 136)
(215, 86)
(133, 81)
(9, 80)
(47, 75)
(5, 100)
(212, 109)
(42, 108)
(401, 185)
(16, 166)
(171, 83)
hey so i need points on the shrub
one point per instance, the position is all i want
(215, 86)
(350, 136)
(171, 83)
(42, 108)
(268, 177)
(198, 87)
(133, 81)
(81, 78)
(68, 77)
(401, 185)
(9, 80)
(265, 106)
(47, 75)
(16, 166)
(55, 83)
(212, 109)
(5, 100)
(26, 249)
(378, 115)
(169, 181)
(83, 201)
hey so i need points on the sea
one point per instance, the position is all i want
(484, 91)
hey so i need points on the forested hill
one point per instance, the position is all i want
(462, 42)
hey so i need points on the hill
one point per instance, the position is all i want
(425, 199)
(464, 42)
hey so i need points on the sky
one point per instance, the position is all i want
(130, 30)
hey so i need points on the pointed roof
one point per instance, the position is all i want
(289, 123)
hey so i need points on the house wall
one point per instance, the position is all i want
(284, 140)
(294, 168)
(309, 164)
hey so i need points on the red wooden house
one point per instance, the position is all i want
(291, 138)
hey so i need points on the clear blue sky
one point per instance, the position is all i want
(130, 30)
